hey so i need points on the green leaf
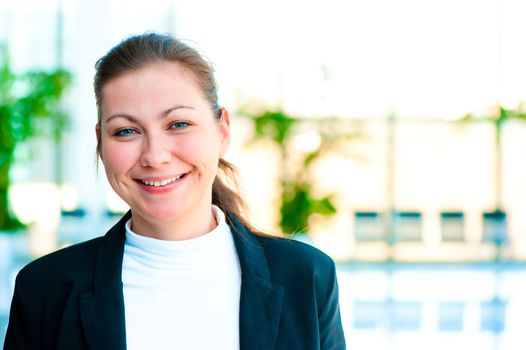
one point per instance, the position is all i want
(29, 106)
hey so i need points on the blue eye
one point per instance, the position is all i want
(125, 132)
(179, 125)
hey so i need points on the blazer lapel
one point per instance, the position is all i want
(261, 299)
(102, 309)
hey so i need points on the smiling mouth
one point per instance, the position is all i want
(163, 182)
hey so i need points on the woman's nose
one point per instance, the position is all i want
(155, 152)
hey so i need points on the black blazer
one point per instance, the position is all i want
(73, 299)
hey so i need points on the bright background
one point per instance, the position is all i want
(424, 64)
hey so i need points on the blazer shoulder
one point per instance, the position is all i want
(66, 264)
(293, 255)
(299, 250)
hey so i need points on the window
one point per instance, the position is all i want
(407, 226)
(494, 227)
(452, 226)
(369, 226)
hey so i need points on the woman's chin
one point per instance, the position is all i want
(157, 214)
(165, 216)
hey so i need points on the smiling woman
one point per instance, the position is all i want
(184, 268)
(160, 145)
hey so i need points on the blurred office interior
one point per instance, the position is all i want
(429, 188)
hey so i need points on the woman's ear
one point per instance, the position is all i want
(224, 128)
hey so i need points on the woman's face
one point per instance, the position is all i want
(161, 143)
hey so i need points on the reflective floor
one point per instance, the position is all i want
(395, 306)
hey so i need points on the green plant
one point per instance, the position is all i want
(29, 106)
(297, 206)
(298, 203)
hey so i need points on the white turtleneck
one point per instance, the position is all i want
(182, 294)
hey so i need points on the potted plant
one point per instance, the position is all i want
(29, 106)
(297, 180)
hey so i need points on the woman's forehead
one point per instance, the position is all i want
(156, 86)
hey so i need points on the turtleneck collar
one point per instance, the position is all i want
(157, 252)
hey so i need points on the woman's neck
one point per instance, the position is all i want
(185, 227)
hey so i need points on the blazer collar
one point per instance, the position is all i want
(261, 300)
(102, 309)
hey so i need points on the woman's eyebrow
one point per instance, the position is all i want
(125, 116)
(164, 114)
(176, 107)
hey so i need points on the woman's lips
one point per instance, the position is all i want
(160, 184)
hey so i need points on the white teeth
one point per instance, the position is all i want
(162, 183)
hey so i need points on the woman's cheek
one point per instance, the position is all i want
(120, 156)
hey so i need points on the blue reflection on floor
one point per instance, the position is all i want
(433, 306)
(451, 316)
